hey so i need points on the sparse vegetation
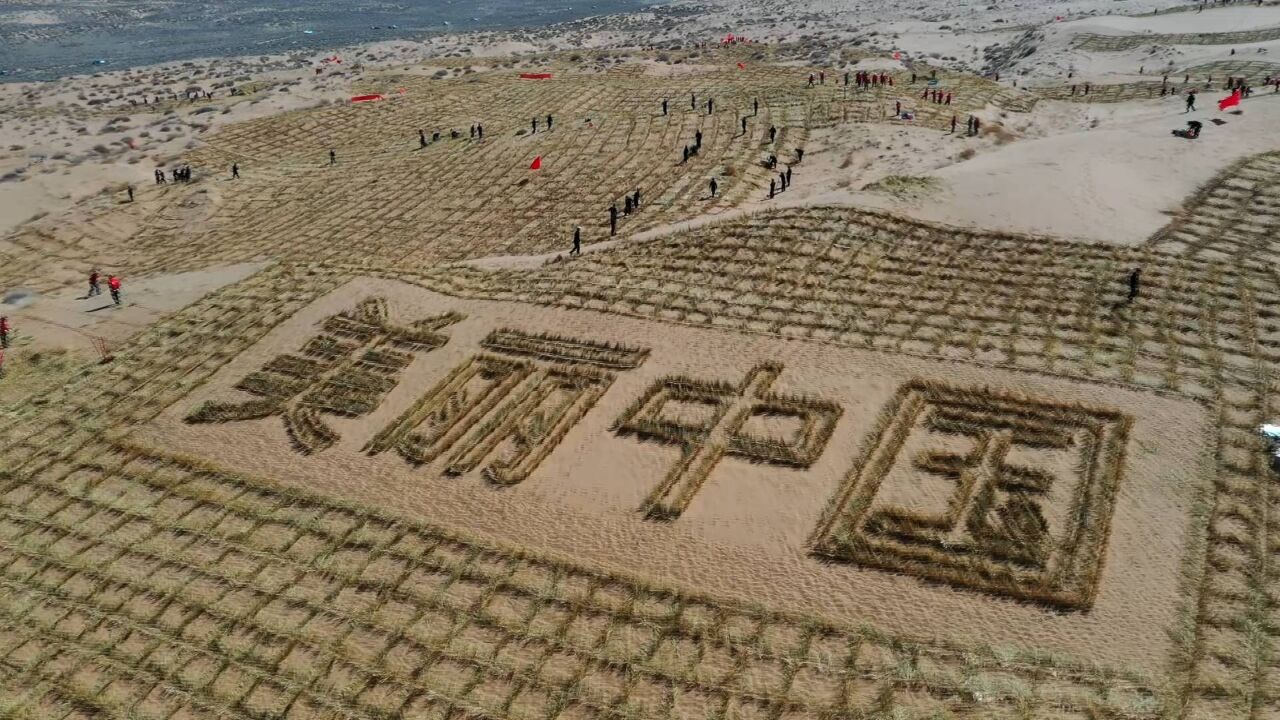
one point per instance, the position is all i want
(137, 582)
(489, 401)
(1008, 549)
(905, 186)
(730, 409)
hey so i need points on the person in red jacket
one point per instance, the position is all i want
(4, 332)
(113, 283)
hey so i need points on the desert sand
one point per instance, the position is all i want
(367, 436)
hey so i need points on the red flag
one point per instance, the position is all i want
(1231, 101)
(742, 66)
(537, 163)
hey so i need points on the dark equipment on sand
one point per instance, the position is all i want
(1191, 132)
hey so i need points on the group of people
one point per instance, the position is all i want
(182, 174)
(4, 341)
(1242, 85)
(550, 123)
(630, 203)
(1233, 84)
(191, 96)
(693, 105)
(1194, 127)
(864, 79)
(691, 150)
(95, 286)
(781, 183)
(477, 133)
(936, 96)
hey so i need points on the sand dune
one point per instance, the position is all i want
(959, 423)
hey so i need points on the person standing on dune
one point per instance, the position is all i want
(1134, 282)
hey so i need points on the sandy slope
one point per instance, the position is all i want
(1115, 183)
(1217, 20)
(745, 533)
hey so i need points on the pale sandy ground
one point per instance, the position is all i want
(70, 320)
(1108, 173)
(58, 151)
(1054, 55)
(745, 534)
(1115, 177)
(70, 153)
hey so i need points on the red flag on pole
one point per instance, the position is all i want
(1231, 101)
(537, 163)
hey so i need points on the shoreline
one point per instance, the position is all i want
(298, 39)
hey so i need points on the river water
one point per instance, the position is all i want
(47, 40)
